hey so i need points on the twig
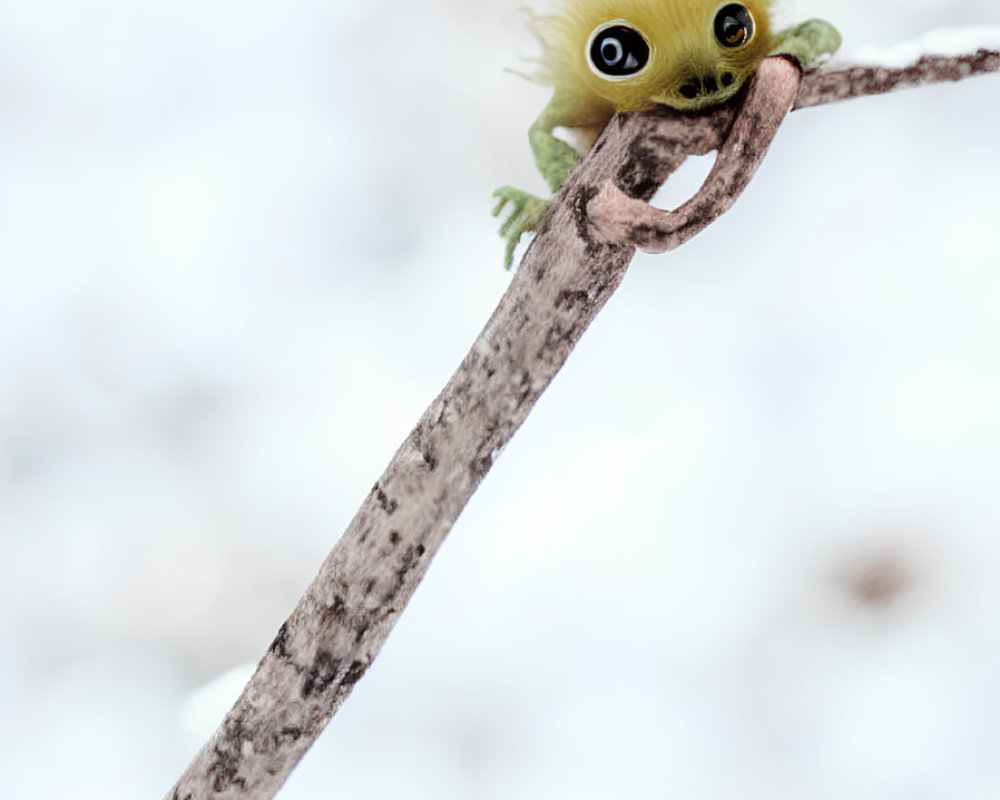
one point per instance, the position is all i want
(829, 85)
(567, 275)
(617, 216)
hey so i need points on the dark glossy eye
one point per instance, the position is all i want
(733, 25)
(617, 52)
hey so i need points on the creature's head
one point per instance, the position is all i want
(635, 54)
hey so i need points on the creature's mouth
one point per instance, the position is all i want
(706, 86)
(698, 91)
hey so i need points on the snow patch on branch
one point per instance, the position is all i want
(948, 42)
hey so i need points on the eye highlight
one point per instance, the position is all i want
(617, 51)
(733, 25)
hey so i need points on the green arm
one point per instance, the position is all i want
(555, 160)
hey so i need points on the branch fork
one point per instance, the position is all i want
(617, 217)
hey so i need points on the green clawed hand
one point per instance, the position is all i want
(526, 215)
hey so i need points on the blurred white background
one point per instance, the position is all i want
(745, 547)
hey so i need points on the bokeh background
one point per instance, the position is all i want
(746, 546)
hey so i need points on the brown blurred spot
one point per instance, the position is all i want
(878, 582)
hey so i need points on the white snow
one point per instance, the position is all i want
(940, 42)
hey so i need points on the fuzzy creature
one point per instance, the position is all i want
(603, 57)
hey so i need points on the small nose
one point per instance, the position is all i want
(705, 85)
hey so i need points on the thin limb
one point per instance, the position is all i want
(554, 158)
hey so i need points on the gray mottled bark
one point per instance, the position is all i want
(566, 276)
(829, 85)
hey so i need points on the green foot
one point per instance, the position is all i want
(810, 42)
(527, 214)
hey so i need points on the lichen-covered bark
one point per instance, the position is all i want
(567, 275)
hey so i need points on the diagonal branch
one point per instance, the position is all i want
(567, 275)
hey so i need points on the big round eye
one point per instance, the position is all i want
(733, 25)
(617, 51)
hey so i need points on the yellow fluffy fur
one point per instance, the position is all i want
(607, 56)
(682, 46)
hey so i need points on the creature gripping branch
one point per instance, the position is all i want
(609, 56)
